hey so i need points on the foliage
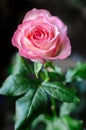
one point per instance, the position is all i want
(36, 85)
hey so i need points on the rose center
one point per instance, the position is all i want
(38, 33)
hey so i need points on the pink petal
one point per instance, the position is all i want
(58, 22)
(65, 49)
(64, 52)
(31, 55)
(34, 13)
(16, 38)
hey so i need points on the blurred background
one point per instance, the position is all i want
(73, 14)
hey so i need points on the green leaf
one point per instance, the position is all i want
(76, 73)
(60, 92)
(16, 85)
(57, 123)
(70, 75)
(21, 65)
(67, 108)
(30, 106)
(64, 123)
(71, 124)
(54, 72)
(37, 68)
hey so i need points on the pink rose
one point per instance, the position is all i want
(42, 37)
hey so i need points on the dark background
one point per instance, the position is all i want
(72, 12)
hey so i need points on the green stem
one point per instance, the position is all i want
(29, 128)
(53, 107)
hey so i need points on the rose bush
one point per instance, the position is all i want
(42, 37)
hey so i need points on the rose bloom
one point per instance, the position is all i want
(42, 37)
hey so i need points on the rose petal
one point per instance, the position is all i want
(16, 38)
(31, 55)
(56, 21)
(34, 13)
(64, 52)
